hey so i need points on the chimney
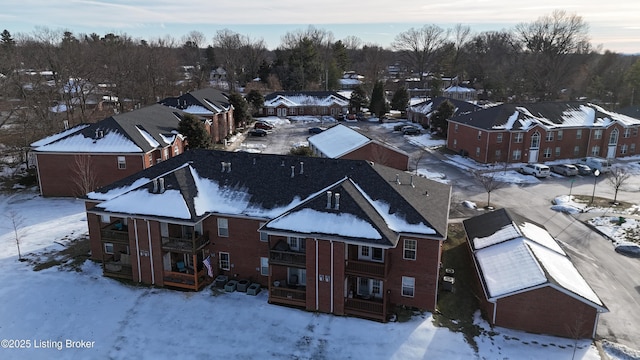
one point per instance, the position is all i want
(328, 199)
(293, 171)
(337, 207)
(161, 183)
(301, 167)
(155, 186)
(229, 166)
(224, 165)
(398, 179)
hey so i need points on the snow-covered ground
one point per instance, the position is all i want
(43, 309)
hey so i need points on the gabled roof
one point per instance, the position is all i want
(633, 111)
(338, 140)
(428, 106)
(305, 98)
(203, 102)
(459, 89)
(547, 114)
(137, 131)
(267, 186)
(514, 254)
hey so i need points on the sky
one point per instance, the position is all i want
(615, 28)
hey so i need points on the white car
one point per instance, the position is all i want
(537, 170)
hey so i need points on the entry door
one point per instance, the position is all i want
(282, 112)
(533, 155)
(611, 152)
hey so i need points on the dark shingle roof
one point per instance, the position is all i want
(204, 97)
(461, 107)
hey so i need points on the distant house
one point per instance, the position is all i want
(422, 111)
(208, 103)
(337, 236)
(88, 156)
(460, 93)
(544, 131)
(294, 103)
(350, 80)
(526, 281)
(342, 142)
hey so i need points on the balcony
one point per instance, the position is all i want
(115, 233)
(184, 244)
(375, 309)
(367, 269)
(288, 296)
(185, 280)
(282, 255)
(117, 269)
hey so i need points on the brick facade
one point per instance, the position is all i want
(380, 154)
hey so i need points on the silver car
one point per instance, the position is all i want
(565, 169)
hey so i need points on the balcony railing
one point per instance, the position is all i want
(186, 281)
(184, 244)
(371, 309)
(368, 269)
(116, 269)
(115, 232)
(287, 258)
(287, 296)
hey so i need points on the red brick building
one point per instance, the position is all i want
(540, 132)
(342, 142)
(331, 235)
(295, 103)
(526, 281)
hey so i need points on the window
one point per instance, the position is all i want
(371, 253)
(150, 158)
(223, 227)
(264, 266)
(455, 128)
(627, 132)
(613, 137)
(578, 134)
(263, 235)
(557, 151)
(597, 134)
(176, 150)
(410, 247)
(270, 111)
(122, 162)
(499, 138)
(498, 154)
(549, 136)
(517, 155)
(224, 261)
(376, 254)
(455, 143)
(408, 286)
(576, 150)
(632, 148)
(477, 151)
(623, 149)
(518, 137)
(376, 287)
(559, 134)
(297, 244)
(166, 153)
(595, 151)
(297, 276)
(479, 134)
(108, 248)
(635, 131)
(535, 140)
(547, 153)
(364, 252)
(105, 219)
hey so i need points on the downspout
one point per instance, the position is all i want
(39, 177)
(595, 325)
(486, 150)
(153, 274)
(435, 296)
(509, 150)
(316, 277)
(495, 306)
(135, 227)
(331, 283)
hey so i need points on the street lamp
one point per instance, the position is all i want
(596, 173)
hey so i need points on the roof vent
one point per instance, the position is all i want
(337, 206)
(224, 166)
(398, 179)
(155, 186)
(328, 199)
(229, 166)
(301, 167)
(293, 171)
(282, 164)
(254, 161)
(161, 184)
(412, 185)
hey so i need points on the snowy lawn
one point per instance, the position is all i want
(119, 321)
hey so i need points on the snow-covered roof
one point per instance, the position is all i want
(337, 141)
(305, 98)
(515, 255)
(459, 89)
(52, 138)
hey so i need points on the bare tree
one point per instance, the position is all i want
(489, 181)
(417, 158)
(420, 48)
(616, 179)
(16, 223)
(83, 175)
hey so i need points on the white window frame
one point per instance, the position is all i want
(264, 237)
(547, 153)
(264, 266)
(407, 247)
(176, 150)
(558, 151)
(519, 137)
(122, 162)
(223, 227)
(559, 135)
(576, 150)
(597, 134)
(627, 133)
(105, 218)
(499, 137)
(108, 248)
(549, 136)
(367, 253)
(224, 261)
(623, 149)
(517, 154)
(595, 151)
(578, 134)
(408, 286)
(166, 153)
(297, 244)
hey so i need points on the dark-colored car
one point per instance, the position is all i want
(411, 130)
(628, 248)
(399, 127)
(257, 132)
(263, 126)
(583, 169)
(315, 130)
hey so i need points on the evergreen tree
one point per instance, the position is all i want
(255, 100)
(378, 105)
(400, 100)
(193, 129)
(240, 109)
(340, 55)
(358, 99)
(439, 119)
(6, 40)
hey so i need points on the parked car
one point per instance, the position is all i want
(602, 165)
(537, 170)
(263, 125)
(315, 130)
(399, 127)
(411, 130)
(565, 169)
(583, 169)
(628, 248)
(352, 117)
(257, 132)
